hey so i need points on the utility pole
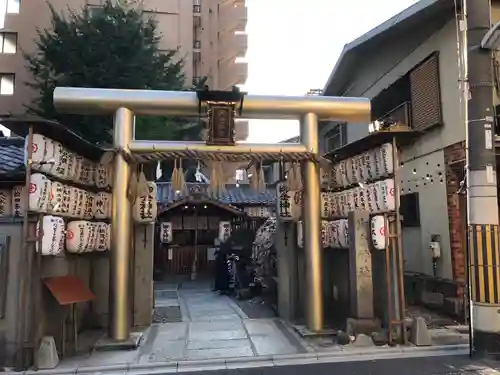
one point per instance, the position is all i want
(482, 206)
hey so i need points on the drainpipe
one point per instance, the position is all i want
(482, 207)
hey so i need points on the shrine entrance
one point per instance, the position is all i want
(221, 108)
(195, 225)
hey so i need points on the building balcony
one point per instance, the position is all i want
(232, 17)
(232, 74)
(398, 117)
(232, 46)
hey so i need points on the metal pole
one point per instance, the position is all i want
(121, 220)
(481, 181)
(312, 227)
(464, 87)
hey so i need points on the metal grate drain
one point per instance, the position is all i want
(167, 314)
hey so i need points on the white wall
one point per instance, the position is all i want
(433, 209)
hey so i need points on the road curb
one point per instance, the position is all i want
(344, 355)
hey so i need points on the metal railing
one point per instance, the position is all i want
(401, 115)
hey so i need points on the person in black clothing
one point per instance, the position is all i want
(221, 271)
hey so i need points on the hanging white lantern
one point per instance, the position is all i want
(326, 234)
(378, 232)
(72, 165)
(370, 198)
(333, 200)
(145, 207)
(77, 236)
(88, 205)
(349, 199)
(103, 204)
(87, 172)
(39, 189)
(387, 201)
(5, 202)
(102, 234)
(355, 198)
(366, 163)
(93, 237)
(359, 168)
(101, 177)
(387, 160)
(351, 171)
(343, 172)
(61, 167)
(224, 230)
(391, 194)
(59, 199)
(324, 178)
(376, 156)
(38, 145)
(51, 230)
(78, 169)
(362, 198)
(342, 203)
(325, 205)
(166, 234)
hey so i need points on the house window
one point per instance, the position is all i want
(13, 6)
(333, 139)
(7, 84)
(8, 43)
(410, 210)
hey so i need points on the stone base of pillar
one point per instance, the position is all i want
(108, 344)
(362, 326)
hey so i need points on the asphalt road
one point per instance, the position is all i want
(439, 365)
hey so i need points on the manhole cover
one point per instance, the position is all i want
(167, 294)
(167, 314)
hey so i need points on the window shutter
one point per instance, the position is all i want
(425, 94)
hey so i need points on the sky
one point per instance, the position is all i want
(293, 46)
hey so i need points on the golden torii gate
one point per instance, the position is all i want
(125, 104)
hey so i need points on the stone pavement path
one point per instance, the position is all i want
(213, 326)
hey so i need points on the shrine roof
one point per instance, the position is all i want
(12, 158)
(234, 195)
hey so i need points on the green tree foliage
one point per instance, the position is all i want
(115, 46)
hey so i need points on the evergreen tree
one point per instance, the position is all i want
(114, 46)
